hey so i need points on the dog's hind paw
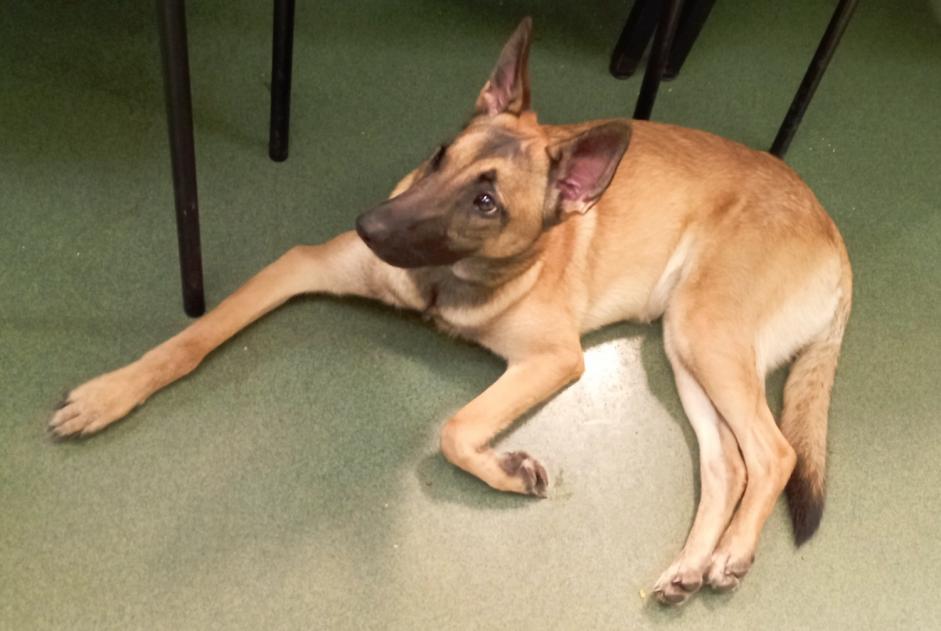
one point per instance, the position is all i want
(678, 583)
(532, 476)
(726, 570)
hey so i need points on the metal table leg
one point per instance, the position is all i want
(838, 23)
(281, 54)
(171, 16)
(662, 41)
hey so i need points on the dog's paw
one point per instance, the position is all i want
(678, 583)
(94, 405)
(531, 476)
(727, 569)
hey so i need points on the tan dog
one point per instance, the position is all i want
(523, 236)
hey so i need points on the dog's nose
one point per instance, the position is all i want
(371, 229)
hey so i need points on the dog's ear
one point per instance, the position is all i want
(582, 167)
(507, 90)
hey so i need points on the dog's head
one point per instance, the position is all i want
(495, 188)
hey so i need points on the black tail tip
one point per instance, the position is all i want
(805, 501)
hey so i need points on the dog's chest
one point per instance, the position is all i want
(449, 328)
(638, 293)
(453, 314)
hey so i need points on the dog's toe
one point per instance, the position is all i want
(726, 571)
(64, 401)
(71, 418)
(530, 473)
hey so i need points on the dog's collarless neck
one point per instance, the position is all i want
(465, 305)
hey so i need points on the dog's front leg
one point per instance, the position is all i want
(342, 266)
(465, 439)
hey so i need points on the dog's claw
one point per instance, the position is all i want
(531, 473)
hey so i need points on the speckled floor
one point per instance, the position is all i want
(294, 481)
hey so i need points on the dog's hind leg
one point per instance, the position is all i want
(722, 480)
(769, 460)
(465, 439)
(725, 366)
(341, 266)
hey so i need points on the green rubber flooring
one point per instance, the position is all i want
(294, 482)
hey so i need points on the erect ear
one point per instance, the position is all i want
(507, 90)
(582, 168)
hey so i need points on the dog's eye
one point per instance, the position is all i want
(485, 204)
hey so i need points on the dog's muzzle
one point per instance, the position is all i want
(405, 238)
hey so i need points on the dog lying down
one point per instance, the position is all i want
(522, 237)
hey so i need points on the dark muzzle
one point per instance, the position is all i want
(402, 235)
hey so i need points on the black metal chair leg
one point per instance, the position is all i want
(638, 29)
(171, 16)
(838, 23)
(662, 41)
(692, 19)
(282, 49)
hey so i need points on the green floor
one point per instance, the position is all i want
(294, 481)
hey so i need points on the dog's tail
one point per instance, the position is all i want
(804, 417)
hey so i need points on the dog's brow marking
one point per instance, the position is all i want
(502, 143)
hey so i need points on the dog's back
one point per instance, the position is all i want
(688, 204)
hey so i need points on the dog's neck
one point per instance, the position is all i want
(493, 273)
(470, 293)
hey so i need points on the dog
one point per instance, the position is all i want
(522, 237)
